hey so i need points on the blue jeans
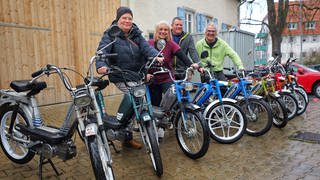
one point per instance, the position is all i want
(156, 92)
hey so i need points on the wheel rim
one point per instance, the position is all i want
(106, 162)
(257, 116)
(291, 105)
(15, 149)
(301, 102)
(277, 112)
(150, 150)
(227, 128)
(191, 137)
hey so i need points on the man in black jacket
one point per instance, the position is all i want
(185, 41)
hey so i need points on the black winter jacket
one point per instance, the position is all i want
(132, 51)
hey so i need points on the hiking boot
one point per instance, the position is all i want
(133, 144)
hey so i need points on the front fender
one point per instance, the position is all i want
(255, 96)
(286, 90)
(217, 101)
(192, 106)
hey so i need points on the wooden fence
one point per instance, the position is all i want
(65, 33)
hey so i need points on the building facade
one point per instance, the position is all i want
(196, 13)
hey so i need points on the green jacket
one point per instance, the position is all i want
(217, 53)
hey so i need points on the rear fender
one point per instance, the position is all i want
(217, 101)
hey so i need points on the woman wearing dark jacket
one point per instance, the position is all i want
(132, 49)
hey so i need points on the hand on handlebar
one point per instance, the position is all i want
(149, 77)
(160, 60)
(103, 70)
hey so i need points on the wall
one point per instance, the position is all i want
(34, 33)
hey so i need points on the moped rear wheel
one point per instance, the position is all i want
(193, 138)
(279, 113)
(100, 161)
(16, 151)
(153, 148)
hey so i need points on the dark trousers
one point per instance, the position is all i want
(156, 92)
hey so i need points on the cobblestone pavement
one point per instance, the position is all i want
(272, 156)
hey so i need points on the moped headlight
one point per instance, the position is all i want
(82, 98)
(187, 86)
(139, 91)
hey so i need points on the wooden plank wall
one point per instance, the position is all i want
(34, 33)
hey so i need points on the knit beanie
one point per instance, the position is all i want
(123, 10)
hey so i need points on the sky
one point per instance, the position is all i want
(256, 11)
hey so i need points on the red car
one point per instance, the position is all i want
(308, 78)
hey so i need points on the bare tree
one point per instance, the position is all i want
(277, 16)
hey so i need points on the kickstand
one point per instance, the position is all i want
(42, 162)
(114, 147)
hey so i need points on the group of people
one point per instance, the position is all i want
(132, 50)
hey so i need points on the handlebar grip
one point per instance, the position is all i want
(37, 73)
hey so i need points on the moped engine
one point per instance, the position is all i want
(66, 150)
(120, 135)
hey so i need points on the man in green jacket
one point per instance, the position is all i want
(213, 50)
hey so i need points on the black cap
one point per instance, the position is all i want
(123, 10)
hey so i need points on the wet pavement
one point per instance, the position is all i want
(272, 156)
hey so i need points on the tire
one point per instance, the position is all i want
(302, 102)
(153, 148)
(302, 91)
(316, 90)
(259, 117)
(279, 113)
(193, 141)
(291, 104)
(99, 158)
(15, 151)
(218, 126)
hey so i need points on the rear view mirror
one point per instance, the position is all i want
(161, 43)
(204, 54)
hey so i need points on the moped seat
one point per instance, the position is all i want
(111, 122)
(26, 85)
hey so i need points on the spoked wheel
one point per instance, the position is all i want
(259, 116)
(192, 134)
(279, 113)
(291, 104)
(302, 102)
(226, 122)
(302, 91)
(153, 147)
(16, 151)
(100, 160)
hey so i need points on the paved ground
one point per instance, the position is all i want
(272, 156)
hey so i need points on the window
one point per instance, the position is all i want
(291, 39)
(314, 38)
(188, 19)
(310, 25)
(292, 25)
(304, 54)
(291, 54)
(151, 35)
(304, 38)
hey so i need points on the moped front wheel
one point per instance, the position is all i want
(259, 116)
(100, 161)
(291, 104)
(153, 147)
(279, 113)
(226, 122)
(192, 134)
(302, 102)
(16, 151)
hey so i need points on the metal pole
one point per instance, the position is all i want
(301, 32)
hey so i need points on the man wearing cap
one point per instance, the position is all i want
(132, 49)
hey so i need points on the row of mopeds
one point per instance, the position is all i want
(224, 111)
